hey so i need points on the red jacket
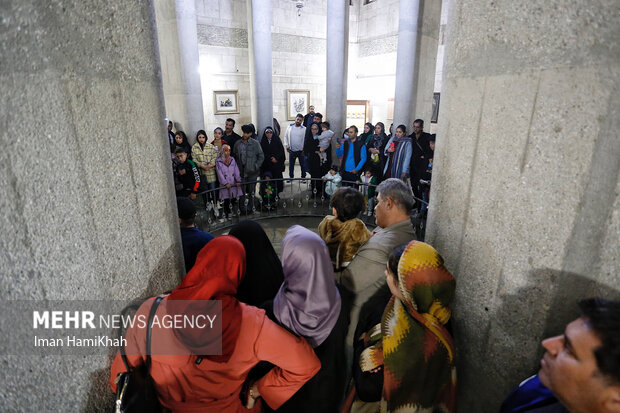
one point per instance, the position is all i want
(184, 386)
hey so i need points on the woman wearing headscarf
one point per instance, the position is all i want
(365, 394)
(310, 305)
(190, 377)
(180, 140)
(398, 151)
(376, 151)
(312, 150)
(274, 156)
(416, 349)
(204, 155)
(264, 275)
(369, 130)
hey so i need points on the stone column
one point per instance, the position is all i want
(337, 57)
(525, 204)
(406, 62)
(178, 50)
(251, 67)
(86, 192)
(261, 36)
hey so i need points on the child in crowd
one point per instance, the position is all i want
(332, 181)
(187, 174)
(228, 176)
(324, 141)
(343, 232)
(268, 190)
(218, 141)
(175, 163)
(368, 190)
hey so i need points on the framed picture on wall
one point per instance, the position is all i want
(435, 113)
(225, 102)
(358, 113)
(297, 101)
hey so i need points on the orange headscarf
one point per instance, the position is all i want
(219, 269)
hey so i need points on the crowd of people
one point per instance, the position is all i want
(229, 162)
(347, 320)
(288, 324)
(235, 164)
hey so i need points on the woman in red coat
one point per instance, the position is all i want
(188, 377)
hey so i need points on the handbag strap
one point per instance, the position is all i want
(148, 335)
(149, 331)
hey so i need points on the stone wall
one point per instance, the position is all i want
(373, 32)
(372, 56)
(86, 193)
(428, 43)
(298, 55)
(524, 205)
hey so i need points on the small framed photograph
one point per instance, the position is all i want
(297, 102)
(435, 113)
(225, 102)
(358, 113)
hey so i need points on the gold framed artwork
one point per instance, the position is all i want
(225, 102)
(358, 113)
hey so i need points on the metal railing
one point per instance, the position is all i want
(297, 197)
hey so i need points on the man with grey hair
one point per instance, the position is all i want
(365, 275)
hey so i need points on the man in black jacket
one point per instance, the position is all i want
(420, 151)
(309, 118)
(229, 134)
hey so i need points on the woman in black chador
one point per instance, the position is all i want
(274, 156)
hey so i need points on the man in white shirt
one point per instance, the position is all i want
(294, 144)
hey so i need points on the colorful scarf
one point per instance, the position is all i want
(398, 157)
(416, 349)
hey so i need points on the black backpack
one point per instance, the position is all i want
(135, 389)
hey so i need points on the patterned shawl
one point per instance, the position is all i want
(398, 157)
(416, 349)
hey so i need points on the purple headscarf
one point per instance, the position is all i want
(308, 302)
